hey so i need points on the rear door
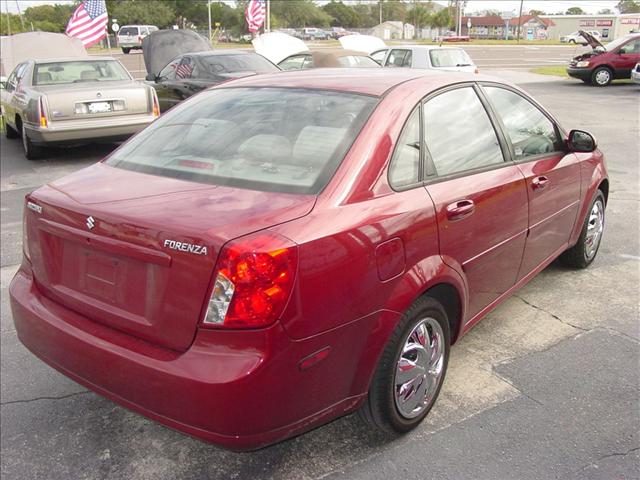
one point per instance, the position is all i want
(399, 57)
(552, 175)
(479, 194)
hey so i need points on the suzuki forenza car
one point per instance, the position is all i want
(284, 249)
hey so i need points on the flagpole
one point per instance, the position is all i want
(268, 24)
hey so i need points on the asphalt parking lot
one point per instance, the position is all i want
(547, 386)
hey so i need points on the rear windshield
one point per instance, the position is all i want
(79, 72)
(217, 64)
(449, 57)
(357, 61)
(270, 139)
(128, 31)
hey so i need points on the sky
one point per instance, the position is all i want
(549, 6)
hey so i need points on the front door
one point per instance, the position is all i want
(480, 199)
(552, 175)
(626, 58)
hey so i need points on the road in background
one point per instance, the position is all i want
(484, 56)
(545, 387)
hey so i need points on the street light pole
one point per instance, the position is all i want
(519, 21)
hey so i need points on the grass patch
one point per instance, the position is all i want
(557, 70)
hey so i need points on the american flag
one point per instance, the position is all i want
(255, 15)
(184, 70)
(89, 22)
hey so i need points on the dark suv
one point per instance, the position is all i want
(606, 63)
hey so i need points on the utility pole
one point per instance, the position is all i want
(8, 18)
(20, 13)
(380, 9)
(519, 21)
(209, 13)
(267, 27)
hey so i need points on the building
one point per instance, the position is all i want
(393, 30)
(610, 27)
(532, 27)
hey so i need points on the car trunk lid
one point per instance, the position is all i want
(137, 252)
(100, 100)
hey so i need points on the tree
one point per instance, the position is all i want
(299, 14)
(536, 13)
(575, 11)
(48, 18)
(148, 12)
(628, 6)
(420, 17)
(341, 14)
(10, 23)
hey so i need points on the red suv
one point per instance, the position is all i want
(606, 63)
(285, 249)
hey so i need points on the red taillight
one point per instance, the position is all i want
(43, 117)
(253, 283)
(477, 70)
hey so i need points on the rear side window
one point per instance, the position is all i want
(217, 64)
(404, 169)
(529, 130)
(296, 62)
(272, 139)
(458, 133)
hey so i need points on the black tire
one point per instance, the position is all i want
(601, 77)
(31, 151)
(572, 41)
(581, 255)
(9, 131)
(380, 409)
(126, 50)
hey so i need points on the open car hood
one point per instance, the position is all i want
(37, 46)
(362, 43)
(162, 46)
(276, 46)
(591, 40)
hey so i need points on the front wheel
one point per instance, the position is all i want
(584, 252)
(411, 370)
(601, 77)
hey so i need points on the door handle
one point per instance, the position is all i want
(540, 182)
(460, 209)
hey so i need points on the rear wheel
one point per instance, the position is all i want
(31, 151)
(9, 131)
(126, 50)
(601, 77)
(572, 41)
(584, 252)
(411, 370)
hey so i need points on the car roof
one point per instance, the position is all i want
(92, 58)
(367, 81)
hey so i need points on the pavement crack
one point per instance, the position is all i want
(62, 397)
(532, 305)
(604, 457)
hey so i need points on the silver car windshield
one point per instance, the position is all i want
(287, 140)
(56, 73)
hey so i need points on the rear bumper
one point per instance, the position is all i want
(581, 73)
(89, 129)
(239, 389)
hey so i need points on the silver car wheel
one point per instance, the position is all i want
(419, 369)
(603, 77)
(595, 228)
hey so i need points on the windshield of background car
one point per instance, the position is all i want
(128, 31)
(79, 72)
(357, 61)
(217, 64)
(449, 57)
(272, 139)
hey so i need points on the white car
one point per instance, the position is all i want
(575, 37)
(635, 74)
(130, 36)
(452, 59)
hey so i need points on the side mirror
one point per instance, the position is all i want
(151, 78)
(580, 141)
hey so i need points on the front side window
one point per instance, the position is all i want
(57, 73)
(273, 139)
(293, 63)
(404, 169)
(458, 133)
(631, 48)
(169, 72)
(449, 57)
(529, 130)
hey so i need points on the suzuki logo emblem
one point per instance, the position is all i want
(90, 223)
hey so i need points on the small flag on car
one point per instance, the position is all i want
(255, 15)
(89, 22)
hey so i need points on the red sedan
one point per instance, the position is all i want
(284, 249)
